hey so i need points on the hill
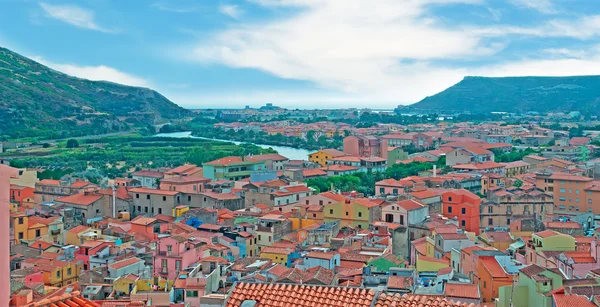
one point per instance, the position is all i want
(38, 101)
(517, 94)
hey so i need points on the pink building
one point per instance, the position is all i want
(176, 253)
(365, 146)
(577, 264)
(5, 174)
(149, 227)
(91, 248)
(389, 187)
(184, 184)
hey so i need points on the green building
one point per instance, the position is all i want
(533, 285)
(231, 168)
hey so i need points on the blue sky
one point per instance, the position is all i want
(304, 53)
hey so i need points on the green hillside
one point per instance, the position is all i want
(38, 101)
(518, 94)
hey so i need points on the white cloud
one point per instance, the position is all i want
(542, 6)
(382, 54)
(174, 9)
(96, 73)
(73, 15)
(232, 11)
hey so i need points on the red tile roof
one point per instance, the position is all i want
(81, 199)
(493, 267)
(469, 291)
(148, 173)
(313, 173)
(226, 161)
(153, 191)
(124, 263)
(298, 295)
(398, 300)
(564, 300)
(321, 255)
(275, 250)
(547, 234)
(399, 282)
(410, 204)
(49, 182)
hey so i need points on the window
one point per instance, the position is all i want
(576, 191)
(58, 274)
(137, 195)
(563, 190)
(69, 271)
(508, 223)
(490, 209)
(159, 210)
(463, 223)
(490, 222)
(139, 208)
(562, 199)
(191, 293)
(346, 213)
(38, 233)
(395, 191)
(449, 198)
(269, 238)
(195, 188)
(449, 209)
(314, 215)
(484, 284)
(169, 248)
(402, 220)
(146, 209)
(20, 235)
(148, 196)
(178, 265)
(330, 211)
(259, 237)
(382, 190)
(463, 210)
(164, 198)
(589, 201)
(20, 221)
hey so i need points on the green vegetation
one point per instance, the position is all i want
(36, 101)
(518, 94)
(262, 137)
(113, 156)
(514, 155)
(365, 182)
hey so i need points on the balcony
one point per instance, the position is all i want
(55, 232)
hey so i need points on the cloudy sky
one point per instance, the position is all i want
(304, 53)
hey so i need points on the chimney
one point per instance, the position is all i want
(434, 171)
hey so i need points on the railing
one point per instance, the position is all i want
(55, 232)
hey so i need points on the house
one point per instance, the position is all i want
(123, 267)
(186, 170)
(464, 293)
(328, 260)
(340, 170)
(364, 146)
(500, 240)
(364, 164)
(87, 207)
(148, 178)
(273, 162)
(279, 255)
(400, 284)
(463, 205)
(21, 194)
(184, 184)
(534, 285)
(176, 253)
(148, 227)
(389, 187)
(232, 168)
(547, 241)
(492, 276)
(516, 168)
(359, 212)
(483, 168)
(150, 202)
(322, 156)
(48, 190)
(469, 155)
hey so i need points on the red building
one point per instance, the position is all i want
(19, 193)
(364, 146)
(464, 206)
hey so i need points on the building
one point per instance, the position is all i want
(150, 202)
(359, 212)
(279, 255)
(48, 190)
(21, 194)
(123, 267)
(502, 206)
(273, 162)
(175, 253)
(362, 164)
(468, 155)
(364, 146)
(389, 187)
(575, 193)
(534, 285)
(322, 156)
(232, 168)
(184, 184)
(186, 170)
(148, 178)
(516, 168)
(464, 206)
(86, 207)
(544, 241)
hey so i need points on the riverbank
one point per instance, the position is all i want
(289, 152)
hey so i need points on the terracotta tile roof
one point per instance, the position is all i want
(319, 276)
(547, 234)
(332, 152)
(78, 229)
(399, 282)
(431, 259)
(143, 220)
(532, 270)
(124, 263)
(153, 191)
(444, 271)
(493, 267)
(397, 300)
(298, 295)
(565, 300)
(307, 173)
(275, 250)
(563, 176)
(356, 257)
(498, 236)
(226, 161)
(571, 225)
(321, 255)
(410, 204)
(81, 199)
(425, 194)
(334, 196)
(341, 168)
(470, 291)
(49, 182)
(365, 202)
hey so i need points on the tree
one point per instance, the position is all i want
(72, 143)
(518, 183)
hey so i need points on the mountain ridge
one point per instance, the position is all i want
(517, 94)
(38, 101)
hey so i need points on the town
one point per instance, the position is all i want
(439, 213)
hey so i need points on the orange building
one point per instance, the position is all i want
(463, 205)
(491, 277)
(20, 194)
(575, 193)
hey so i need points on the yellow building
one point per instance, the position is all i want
(78, 234)
(430, 264)
(58, 273)
(359, 212)
(277, 254)
(322, 156)
(180, 210)
(122, 284)
(27, 178)
(19, 223)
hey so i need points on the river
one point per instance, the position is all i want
(286, 151)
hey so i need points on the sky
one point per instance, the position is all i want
(304, 53)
